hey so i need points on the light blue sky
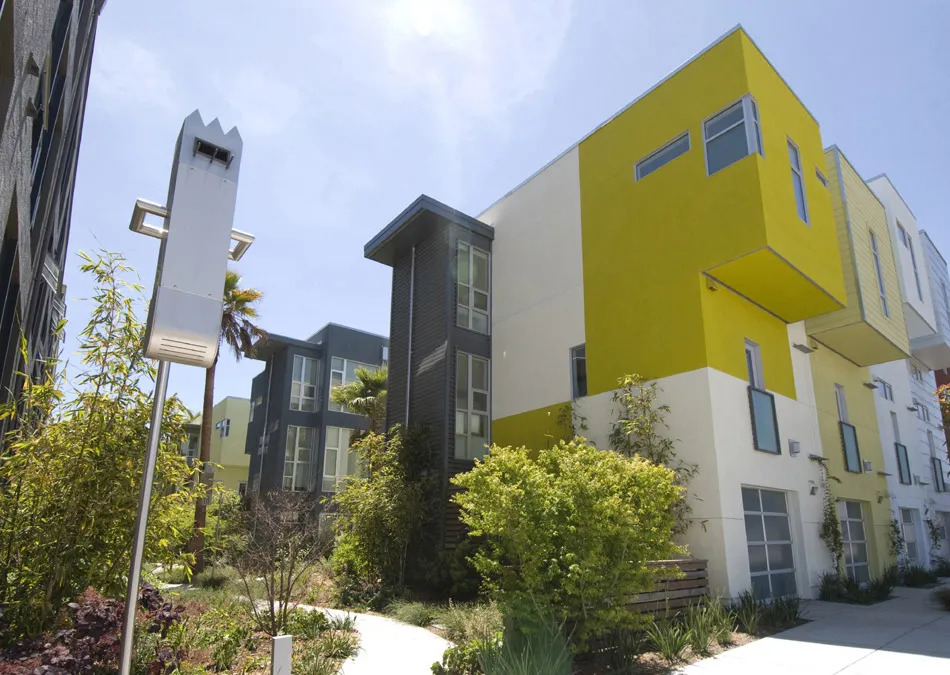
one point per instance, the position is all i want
(350, 109)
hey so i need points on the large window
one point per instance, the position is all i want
(579, 372)
(224, 428)
(761, 403)
(339, 461)
(855, 541)
(732, 134)
(798, 181)
(297, 458)
(667, 153)
(880, 275)
(473, 288)
(769, 539)
(471, 406)
(303, 388)
(849, 435)
(343, 371)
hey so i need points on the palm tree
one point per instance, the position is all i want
(239, 333)
(365, 396)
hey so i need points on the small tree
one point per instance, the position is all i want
(569, 534)
(282, 548)
(637, 432)
(365, 396)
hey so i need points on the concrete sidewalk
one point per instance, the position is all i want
(904, 635)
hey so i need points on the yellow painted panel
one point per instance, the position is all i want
(534, 429)
(729, 320)
(829, 369)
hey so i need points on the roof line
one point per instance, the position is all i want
(924, 233)
(737, 27)
(350, 328)
(899, 195)
(834, 148)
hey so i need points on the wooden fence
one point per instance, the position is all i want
(675, 591)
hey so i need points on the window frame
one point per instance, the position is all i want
(342, 451)
(902, 235)
(223, 427)
(885, 388)
(575, 382)
(639, 175)
(901, 451)
(296, 462)
(470, 308)
(880, 275)
(756, 378)
(843, 427)
(849, 544)
(331, 404)
(753, 131)
(761, 513)
(913, 262)
(470, 410)
(940, 481)
(800, 174)
(300, 398)
(821, 177)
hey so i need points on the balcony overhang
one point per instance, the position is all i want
(772, 282)
(932, 350)
(860, 343)
(272, 343)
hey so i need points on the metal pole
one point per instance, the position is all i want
(141, 519)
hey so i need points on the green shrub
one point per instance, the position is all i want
(622, 649)
(581, 522)
(463, 622)
(310, 625)
(312, 662)
(836, 588)
(670, 638)
(748, 611)
(915, 576)
(339, 645)
(941, 567)
(782, 612)
(213, 578)
(942, 597)
(414, 613)
(544, 649)
(723, 621)
(879, 589)
(463, 659)
(699, 624)
(346, 623)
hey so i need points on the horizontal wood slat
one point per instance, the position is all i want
(675, 591)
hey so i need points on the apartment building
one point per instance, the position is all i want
(297, 438)
(228, 439)
(704, 238)
(909, 417)
(46, 51)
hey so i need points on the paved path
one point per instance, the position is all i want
(391, 647)
(904, 636)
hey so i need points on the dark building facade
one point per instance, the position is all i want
(46, 51)
(297, 437)
(440, 332)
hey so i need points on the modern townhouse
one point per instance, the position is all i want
(908, 415)
(297, 438)
(703, 238)
(229, 463)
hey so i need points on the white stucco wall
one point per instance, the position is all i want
(538, 289)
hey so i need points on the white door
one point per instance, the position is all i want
(910, 536)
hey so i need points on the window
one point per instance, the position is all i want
(190, 448)
(242, 488)
(761, 403)
(303, 388)
(732, 134)
(471, 406)
(667, 153)
(821, 178)
(579, 372)
(224, 428)
(903, 464)
(849, 435)
(936, 466)
(923, 412)
(946, 298)
(917, 374)
(473, 272)
(884, 390)
(297, 456)
(769, 541)
(909, 529)
(842, 403)
(798, 181)
(342, 372)
(855, 541)
(255, 404)
(913, 262)
(339, 461)
(880, 275)
(902, 235)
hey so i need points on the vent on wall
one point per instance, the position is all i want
(867, 466)
(794, 448)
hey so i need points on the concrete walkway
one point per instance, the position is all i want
(904, 635)
(389, 646)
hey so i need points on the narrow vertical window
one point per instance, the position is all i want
(753, 362)
(761, 403)
(902, 235)
(880, 275)
(798, 181)
(297, 457)
(913, 262)
(303, 387)
(849, 435)
(339, 460)
(473, 288)
(343, 372)
(471, 406)
(579, 372)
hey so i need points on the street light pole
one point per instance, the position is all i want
(141, 520)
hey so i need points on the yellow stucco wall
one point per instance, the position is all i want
(829, 369)
(228, 452)
(533, 429)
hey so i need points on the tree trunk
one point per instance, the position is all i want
(197, 544)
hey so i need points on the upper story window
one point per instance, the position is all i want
(297, 458)
(761, 403)
(821, 177)
(669, 152)
(917, 373)
(913, 262)
(255, 404)
(342, 372)
(339, 460)
(849, 435)
(880, 275)
(303, 388)
(753, 362)
(902, 235)
(223, 427)
(946, 298)
(190, 447)
(473, 286)
(471, 406)
(885, 390)
(732, 134)
(798, 180)
(579, 372)
(923, 412)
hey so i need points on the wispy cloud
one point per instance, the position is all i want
(127, 75)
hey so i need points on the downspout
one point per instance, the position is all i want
(412, 288)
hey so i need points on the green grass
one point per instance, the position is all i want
(461, 622)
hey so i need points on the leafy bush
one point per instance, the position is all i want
(214, 578)
(70, 476)
(464, 658)
(463, 622)
(313, 662)
(915, 576)
(670, 638)
(414, 613)
(307, 624)
(569, 531)
(941, 567)
(836, 588)
(545, 649)
(782, 612)
(722, 619)
(622, 649)
(942, 597)
(339, 645)
(347, 622)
